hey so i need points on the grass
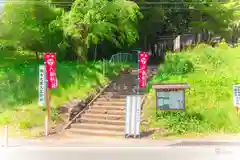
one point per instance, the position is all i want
(19, 88)
(210, 72)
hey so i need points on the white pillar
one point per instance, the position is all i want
(6, 136)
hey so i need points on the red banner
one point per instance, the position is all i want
(50, 60)
(143, 61)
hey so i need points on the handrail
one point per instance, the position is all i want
(86, 108)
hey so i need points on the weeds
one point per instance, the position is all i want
(19, 88)
(210, 72)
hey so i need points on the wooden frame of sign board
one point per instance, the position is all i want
(168, 87)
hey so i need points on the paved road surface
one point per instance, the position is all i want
(120, 153)
(120, 149)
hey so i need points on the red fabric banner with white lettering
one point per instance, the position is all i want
(143, 61)
(50, 59)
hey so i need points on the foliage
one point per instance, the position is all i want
(65, 4)
(177, 17)
(19, 87)
(220, 18)
(175, 65)
(92, 21)
(40, 27)
(162, 18)
(31, 25)
(72, 26)
(209, 101)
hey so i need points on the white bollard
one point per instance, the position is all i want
(46, 126)
(5, 136)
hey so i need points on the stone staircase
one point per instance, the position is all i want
(106, 116)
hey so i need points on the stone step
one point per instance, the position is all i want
(125, 81)
(112, 95)
(91, 132)
(129, 79)
(101, 121)
(117, 94)
(103, 116)
(111, 99)
(125, 75)
(105, 111)
(108, 107)
(121, 84)
(114, 103)
(98, 127)
(121, 90)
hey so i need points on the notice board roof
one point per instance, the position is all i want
(164, 86)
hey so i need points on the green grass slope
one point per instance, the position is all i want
(19, 88)
(210, 72)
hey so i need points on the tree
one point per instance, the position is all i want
(89, 22)
(161, 18)
(219, 18)
(32, 25)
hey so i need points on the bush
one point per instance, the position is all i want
(177, 65)
(7, 45)
(209, 106)
(19, 87)
(223, 45)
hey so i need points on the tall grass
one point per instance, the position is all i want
(210, 72)
(19, 87)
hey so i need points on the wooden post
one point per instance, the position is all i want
(48, 117)
(46, 125)
(6, 136)
(48, 103)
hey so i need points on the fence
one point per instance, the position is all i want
(119, 58)
(180, 42)
(175, 43)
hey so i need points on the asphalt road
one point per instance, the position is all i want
(121, 149)
(120, 153)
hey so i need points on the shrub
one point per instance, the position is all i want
(177, 65)
(209, 106)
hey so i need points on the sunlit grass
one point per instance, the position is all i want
(209, 101)
(19, 87)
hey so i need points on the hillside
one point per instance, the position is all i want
(210, 72)
(19, 89)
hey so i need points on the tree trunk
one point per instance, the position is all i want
(95, 53)
(196, 39)
(37, 56)
(82, 51)
(145, 42)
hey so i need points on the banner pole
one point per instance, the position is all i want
(47, 123)
(48, 104)
(138, 88)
